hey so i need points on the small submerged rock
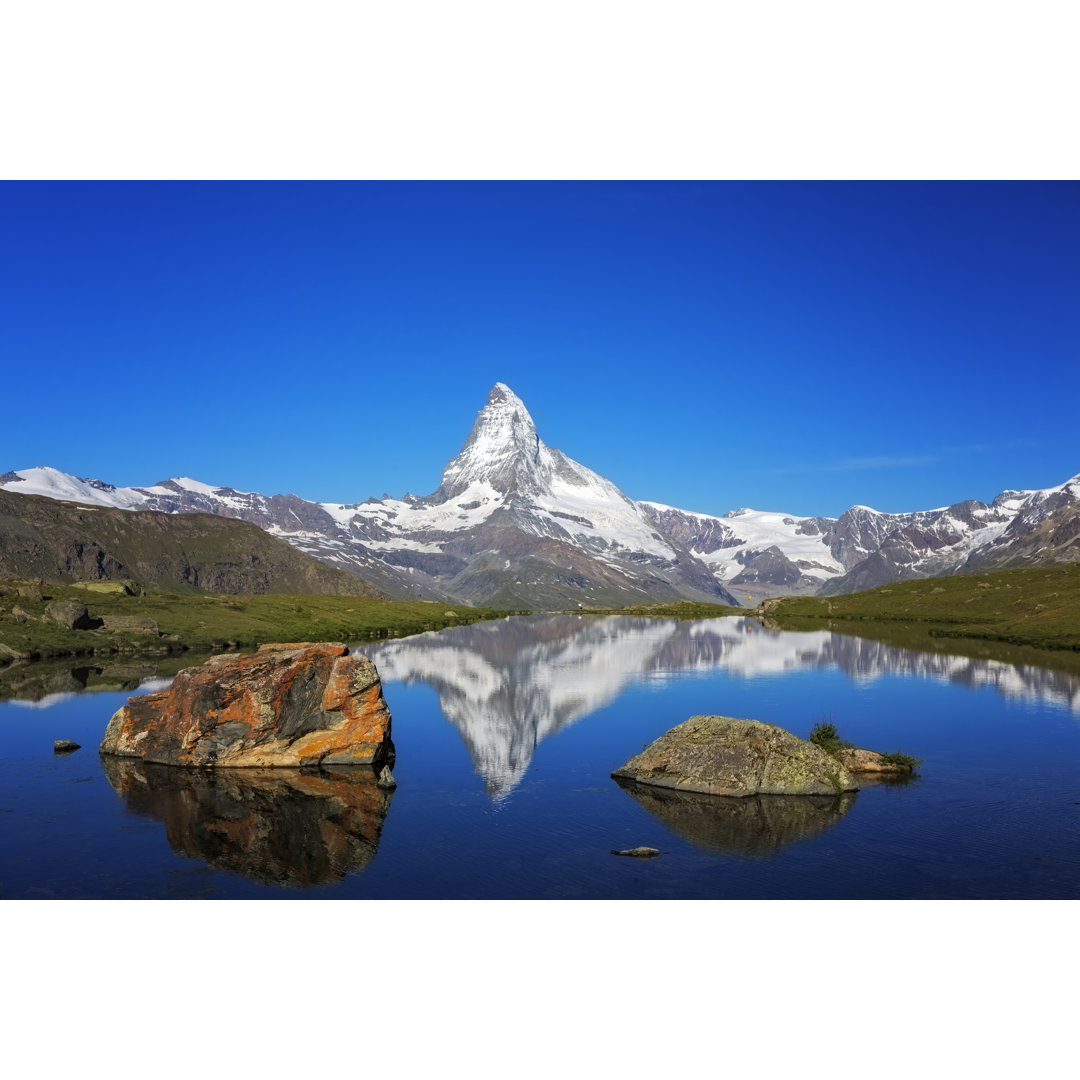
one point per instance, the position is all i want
(65, 746)
(638, 852)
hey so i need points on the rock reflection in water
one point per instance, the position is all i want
(44, 683)
(754, 826)
(298, 827)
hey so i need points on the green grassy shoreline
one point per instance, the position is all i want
(1038, 608)
(207, 622)
(1018, 616)
(1027, 616)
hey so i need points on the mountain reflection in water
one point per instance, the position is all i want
(506, 685)
(296, 827)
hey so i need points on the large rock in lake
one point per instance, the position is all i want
(286, 705)
(720, 755)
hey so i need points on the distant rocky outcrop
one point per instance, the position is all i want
(113, 588)
(286, 705)
(70, 615)
(770, 567)
(1032, 540)
(722, 755)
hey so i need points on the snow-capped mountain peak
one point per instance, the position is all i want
(503, 450)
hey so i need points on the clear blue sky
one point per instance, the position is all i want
(786, 346)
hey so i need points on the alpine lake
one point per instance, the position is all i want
(507, 733)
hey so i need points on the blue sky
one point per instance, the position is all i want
(791, 346)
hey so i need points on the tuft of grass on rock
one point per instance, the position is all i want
(825, 734)
(894, 757)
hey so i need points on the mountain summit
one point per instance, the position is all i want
(503, 451)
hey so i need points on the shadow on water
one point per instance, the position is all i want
(890, 781)
(756, 826)
(292, 827)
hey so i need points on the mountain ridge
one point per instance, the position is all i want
(515, 523)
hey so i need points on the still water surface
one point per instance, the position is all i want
(506, 735)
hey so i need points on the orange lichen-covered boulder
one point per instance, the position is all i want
(286, 705)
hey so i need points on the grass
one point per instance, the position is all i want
(825, 735)
(208, 622)
(1037, 608)
(894, 757)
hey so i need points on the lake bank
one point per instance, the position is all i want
(1038, 607)
(1017, 616)
(205, 622)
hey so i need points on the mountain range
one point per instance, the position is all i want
(515, 523)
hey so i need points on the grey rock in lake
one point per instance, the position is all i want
(722, 755)
(638, 852)
(65, 746)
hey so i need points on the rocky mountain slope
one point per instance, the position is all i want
(768, 554)
(61, 541)
(515, 524)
